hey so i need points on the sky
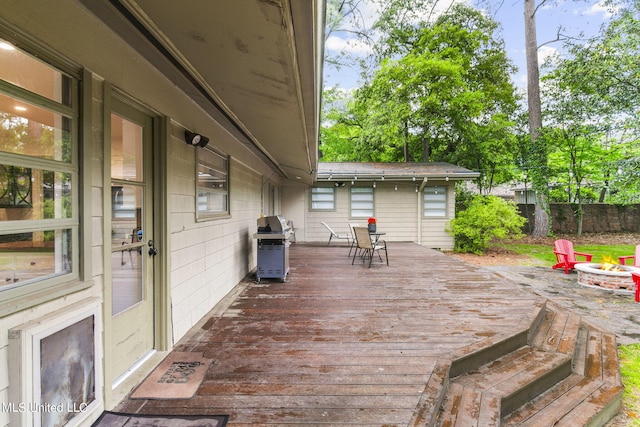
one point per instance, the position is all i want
(573, 16)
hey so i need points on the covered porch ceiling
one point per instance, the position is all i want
(254, 65)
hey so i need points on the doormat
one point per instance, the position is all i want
(177, 377)
(115, 419)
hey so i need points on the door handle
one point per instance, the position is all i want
(152, 249)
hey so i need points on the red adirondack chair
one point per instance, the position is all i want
(566, 255)
(635, 258)
(636, 280)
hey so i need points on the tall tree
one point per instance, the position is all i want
(538, 153)
(445, 96)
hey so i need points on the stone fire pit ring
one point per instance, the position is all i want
(591, 275)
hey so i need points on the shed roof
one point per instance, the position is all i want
(398, 171)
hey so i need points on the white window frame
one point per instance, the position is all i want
(361, 202)
(323, 199)
(212, 183)
(435, 202)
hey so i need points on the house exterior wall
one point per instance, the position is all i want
(206, 259)
(398, 214)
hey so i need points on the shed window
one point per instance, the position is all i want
(323, 198)
(361, 202)
(435, 202)
(213, 184)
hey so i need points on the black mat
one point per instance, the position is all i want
(115, 419)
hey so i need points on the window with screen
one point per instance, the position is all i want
(212, 191)
(362, 202)
(323, 198)
(435, 202)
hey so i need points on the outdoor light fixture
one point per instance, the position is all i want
(374, 184)
(330, 176)
(396, 187)
(414, 175)
(192, 138)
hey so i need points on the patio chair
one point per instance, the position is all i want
(136, 236)
(353, 238)
(636, 279)
(566, 255)
(333, 234)
(635, 257)
(367, 247)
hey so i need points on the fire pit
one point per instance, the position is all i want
(612, 277)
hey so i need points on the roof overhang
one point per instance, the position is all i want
(255, 66)
(419, 172)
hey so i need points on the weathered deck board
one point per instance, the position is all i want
(342, 344)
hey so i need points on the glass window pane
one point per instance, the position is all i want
(126, 149)
(43, 194)
(435, 202)
(28, 257)
(323, 198)
(34, 131)
(212, 202)
(28, 73)
(213, 183)
(126, 202)
(361, 202)
(127, 282)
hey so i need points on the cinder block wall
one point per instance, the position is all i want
(597, 218)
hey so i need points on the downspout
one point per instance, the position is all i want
(419, 213)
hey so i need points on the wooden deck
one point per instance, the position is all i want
(342, 344)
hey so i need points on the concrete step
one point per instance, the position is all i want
(565, 373)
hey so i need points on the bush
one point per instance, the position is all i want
(487, 218)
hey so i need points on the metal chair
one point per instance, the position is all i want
(367, 247)
(334, 234)
(136, 236)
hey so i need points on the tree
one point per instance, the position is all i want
(446, 96)
(538, 151)
(594, 118)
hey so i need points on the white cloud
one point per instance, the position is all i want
(545, 52)
(353, 47)
(598, 9)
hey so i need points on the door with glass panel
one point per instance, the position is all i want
(131, 267)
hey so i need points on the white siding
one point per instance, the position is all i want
(206, 259)
(398, 214)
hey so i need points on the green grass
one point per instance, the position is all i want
(545, 252)
(630, 371)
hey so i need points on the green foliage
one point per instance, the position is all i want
(591, 106)
(630, 371)
(441, 91)
(487, 218)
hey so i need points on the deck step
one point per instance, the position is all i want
(575, 401)
(567, 374)
(518, 376)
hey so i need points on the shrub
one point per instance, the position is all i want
(487, 218)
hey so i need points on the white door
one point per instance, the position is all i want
(131, 285)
